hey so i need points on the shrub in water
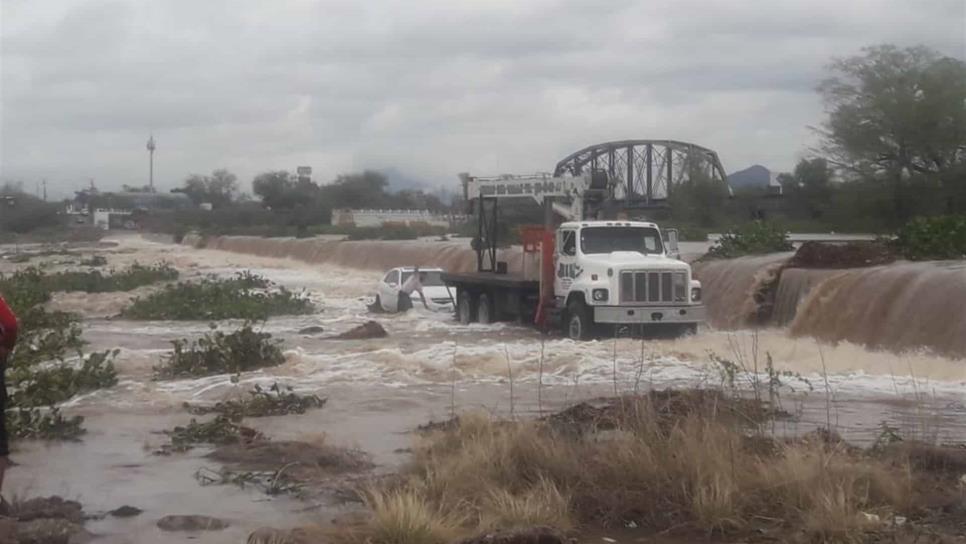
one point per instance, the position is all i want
(43, 424)
(926, 238)
(757, 237)
(220, 353)
(246, 296)
(48, 386)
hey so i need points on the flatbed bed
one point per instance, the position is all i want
(512, 281)
(488, 296)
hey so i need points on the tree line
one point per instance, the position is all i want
(892, 146)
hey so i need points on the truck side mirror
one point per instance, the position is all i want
(672, 243)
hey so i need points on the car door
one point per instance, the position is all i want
(389, 291)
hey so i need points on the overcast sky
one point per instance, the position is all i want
(430, 88)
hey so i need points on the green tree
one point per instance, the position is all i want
(22, 213)
(280, 190)
(219, 189)
(808, 189)
(897, 116)
(359, 190)
(700, 198)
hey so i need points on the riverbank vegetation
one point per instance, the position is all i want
(48, 366)
(685, 463)
(933, 238)
(244, 296)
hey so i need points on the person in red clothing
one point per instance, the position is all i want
(8, 338)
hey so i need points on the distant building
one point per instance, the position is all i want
(378, 218)
(157, 201)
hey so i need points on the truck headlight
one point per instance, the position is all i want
(600, 295)
(695, 294)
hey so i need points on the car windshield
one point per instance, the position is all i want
(595, 240)
(432, 278)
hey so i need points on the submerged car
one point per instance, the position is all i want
(438, 295)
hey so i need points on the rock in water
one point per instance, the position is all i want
(191, 523)
(314, 329)
(126, 512)
(369, 329)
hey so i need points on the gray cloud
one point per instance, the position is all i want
(429, 87)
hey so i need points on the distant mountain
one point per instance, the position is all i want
(753, 176)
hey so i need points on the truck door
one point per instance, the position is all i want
(566, 261)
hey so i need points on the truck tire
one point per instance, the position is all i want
(687, 329)
(579, 322)
(464, 307)
(485, 310)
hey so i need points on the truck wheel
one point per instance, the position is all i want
(579, 323)
(464, 307)
(485, 312)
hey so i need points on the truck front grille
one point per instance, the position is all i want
(653, 287)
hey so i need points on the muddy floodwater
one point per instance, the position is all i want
(379, 390)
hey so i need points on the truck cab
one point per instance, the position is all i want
(591, 271)
(621, 273)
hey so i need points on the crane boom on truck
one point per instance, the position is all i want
(592, 272)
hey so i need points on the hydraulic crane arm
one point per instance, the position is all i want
(567, 194)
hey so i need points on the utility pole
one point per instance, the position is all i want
(45, 189)
(151, 147)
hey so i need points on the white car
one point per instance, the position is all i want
(438, 295)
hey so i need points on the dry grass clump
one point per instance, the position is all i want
(406, 517)
(696, 472)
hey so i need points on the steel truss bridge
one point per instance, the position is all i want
(643, 173)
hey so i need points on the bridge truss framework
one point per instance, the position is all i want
(643, 173)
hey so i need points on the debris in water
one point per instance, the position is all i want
(218, 431)
(51, 531)
(303, 456)
(535, 535)
(191, 523)
(53, 507)
(276, 401)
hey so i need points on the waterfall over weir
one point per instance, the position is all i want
(365, 254)
(901, 306)
(898, 307)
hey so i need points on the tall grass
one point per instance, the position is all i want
(692, 469)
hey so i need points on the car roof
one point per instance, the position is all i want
(421, 269)
(607, 223)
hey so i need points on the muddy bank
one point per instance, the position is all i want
(370, 255)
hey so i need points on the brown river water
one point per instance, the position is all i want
(379, 390)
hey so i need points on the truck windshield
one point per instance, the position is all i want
(609, 239)
(432, 278)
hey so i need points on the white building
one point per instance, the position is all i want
(378, 218)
